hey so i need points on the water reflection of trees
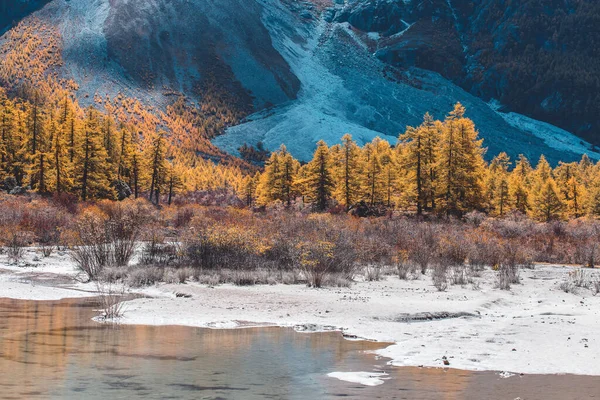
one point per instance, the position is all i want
(54, 349)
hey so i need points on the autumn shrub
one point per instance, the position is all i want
(106, 235)
(13, 210)
(320, 257)
(158, 252)
(580, 278)
(485, 250)
(90, 248)
(210, 279)
(584, 239)
(280, 253)
(595, 286)
(439, 276)
(375, 239)
(316, 259)
(123, 226)
(290, 277)
(113, 274)
(421, 245)
(216, 247)
(45, 221)
(567, 286)
(461, 274)
(373, 253)
(453, 248)
(184, 215)
(337, 280)
(475, 218)
(158, 248)
(111, 300)
(15, 242)
(516, 254)
(373, 273)
(404, 267)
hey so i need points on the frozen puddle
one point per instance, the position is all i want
(363, 378)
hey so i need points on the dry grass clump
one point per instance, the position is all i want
(145, 276)
(439, 276)
(106, 235)
(506, 276)
(581, 279)
(111, 300)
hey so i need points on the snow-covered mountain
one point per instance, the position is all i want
(300, 70)
(349, 84)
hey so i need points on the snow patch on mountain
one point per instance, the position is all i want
(345, 89)
(309, 78)
(554, 137)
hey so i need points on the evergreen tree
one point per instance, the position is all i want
(542, 172)
(519, 185)
(6, 136)
(157, 166)
(249, 186)
(18, 148)
(126, 149)
(593, 199)
(92, 173)
(110, 142)
(319, 177)
(575, 198)
(289, 168)
(418, 159)
(62, 168)
(277, 182)
(460, 165)
(373, 177)
(39, 157)
(136, 174)
(173, 180)
(497, 185)
(572, 190)
(267, 190)
(546, 204)
(347, 164)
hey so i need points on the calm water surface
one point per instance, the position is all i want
(52, 350)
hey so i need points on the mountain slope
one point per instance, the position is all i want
(537, 57)
(152, 47)
(346, 87)
(277, 71)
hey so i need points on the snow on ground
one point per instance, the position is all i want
(363, 378)
(40, 278)
(533, 328)
(552, 136)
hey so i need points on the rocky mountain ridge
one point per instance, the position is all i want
(294, 72)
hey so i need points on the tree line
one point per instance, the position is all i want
(56, 147)
(437, 167)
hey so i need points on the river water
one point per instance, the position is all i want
(53, 350)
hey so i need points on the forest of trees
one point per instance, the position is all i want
(435, 168)
(58, 148)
